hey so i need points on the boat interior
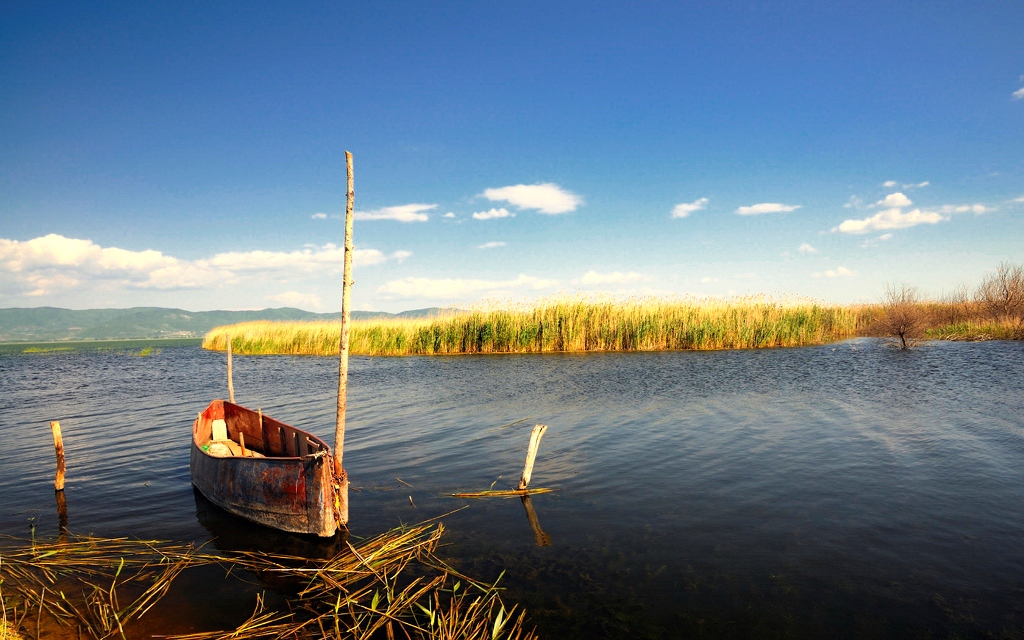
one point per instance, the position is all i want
(227, 430)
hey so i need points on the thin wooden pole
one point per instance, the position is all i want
(58, 445)
(531, 454)
(231, 384)
(346, 311)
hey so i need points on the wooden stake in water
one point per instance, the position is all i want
(346, 297)
(231, 384)
(531, 454)
(58, 445)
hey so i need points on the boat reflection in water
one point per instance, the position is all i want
(231, 533)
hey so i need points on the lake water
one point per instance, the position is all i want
(850, 490)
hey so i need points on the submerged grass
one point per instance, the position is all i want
(560, 325)
(392, 585)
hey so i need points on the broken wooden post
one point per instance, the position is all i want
(58, 445)
(531, 454)
(231, 384)
(346, 312)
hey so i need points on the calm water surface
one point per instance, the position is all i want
(842, 491)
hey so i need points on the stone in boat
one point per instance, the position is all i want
(266, 471)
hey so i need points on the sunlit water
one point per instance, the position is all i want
(851, 490)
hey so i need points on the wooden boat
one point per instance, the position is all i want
(266, 471)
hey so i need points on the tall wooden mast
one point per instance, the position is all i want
(346, 312)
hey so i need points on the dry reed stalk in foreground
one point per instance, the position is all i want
(561, 325)
(392, 584)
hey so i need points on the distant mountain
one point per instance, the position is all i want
(52, 323)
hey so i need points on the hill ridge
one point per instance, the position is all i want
(28, 324)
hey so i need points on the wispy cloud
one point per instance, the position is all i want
(684, 209)
(319, 216)
(1019, 94)
(976, 209)
(52, 263)
(493, 214)
(547, 197)
(766, 207)
(1020, 199)
(873, 242)
(457, 288)
(838, 272)
(615, 277)
(401, 213)
(708, 280)
(491, 245)
(448, 215)
(296, 299)
(854, 203)
(889, 184)
(806, 248)
(917, 185)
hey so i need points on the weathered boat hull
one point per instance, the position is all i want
(291, 488)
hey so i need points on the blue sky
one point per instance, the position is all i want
(191, 155)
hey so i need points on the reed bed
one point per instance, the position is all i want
(392, 585)
(559, 325)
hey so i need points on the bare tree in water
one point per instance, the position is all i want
(901, 314)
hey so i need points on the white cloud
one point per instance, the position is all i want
(53, 263)
(402, 213)
(493, 214)
(296, 299)
(888, 184)
(455, 288)
(890, 219)
(448, 215)
(686, 208)
(1019, 94)
(615, 277)
(546, 198)
(806, 248)
(491, 245)
(766, 207)
(319, 216)
(839, 272)
(918, 185)
(1020, 199)
(894, 200)
(885, 236)
(854, 203)
(708, 279)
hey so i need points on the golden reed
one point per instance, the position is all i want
(561, 324)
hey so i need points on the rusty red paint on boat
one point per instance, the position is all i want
(291, 487)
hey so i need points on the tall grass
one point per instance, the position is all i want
(560, 325)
